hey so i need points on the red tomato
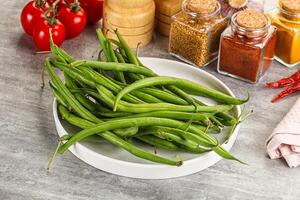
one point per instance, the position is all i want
(30, 13)
(41, 36)
(93, 9)
(74, 21)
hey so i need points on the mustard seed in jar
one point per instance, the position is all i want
(195, 32)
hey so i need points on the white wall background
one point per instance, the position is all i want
(270, 4)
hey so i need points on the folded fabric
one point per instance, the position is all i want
(285, 138)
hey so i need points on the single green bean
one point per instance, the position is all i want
(163, 80)
(119, 75)
(157, 142)
(120, 67)
(165, 96)
(203, 117)
(108, 98)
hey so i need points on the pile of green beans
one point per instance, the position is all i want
(125, 103)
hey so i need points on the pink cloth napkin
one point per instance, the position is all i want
(285, 138)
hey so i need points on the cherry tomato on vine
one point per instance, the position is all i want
(41, 35)
(33, 11)
(74, 19)
(93, 9)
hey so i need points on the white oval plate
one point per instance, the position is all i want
(109, 158)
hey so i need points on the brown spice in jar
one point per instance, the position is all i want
(190, 39)
(202, 6)
(251, 19)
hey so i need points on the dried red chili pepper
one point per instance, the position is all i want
(290, 90)
(285, 81)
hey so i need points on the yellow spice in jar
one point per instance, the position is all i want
(196, 40)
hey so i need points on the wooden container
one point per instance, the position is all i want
(168, 7)
(134, 19)
(163, 28)
(164, 11)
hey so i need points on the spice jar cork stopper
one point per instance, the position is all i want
(237, 4)
(251, 19)
(290, 5)
(202, 6)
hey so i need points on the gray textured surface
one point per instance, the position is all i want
(28, 137)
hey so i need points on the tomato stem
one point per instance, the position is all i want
(53, 9)
(75, 7)
(40, 3)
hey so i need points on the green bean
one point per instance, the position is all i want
(74, 74)
(201, 90)
(157, 142)
(72, 119)
(102, 41)
(59, 53)
(127, 132)
(190, 134)
(165, 134)
(120, 57)
(226, 119)
(120, 67)
(83, 112)
(183, 95)
(206, 140)
(58, 96)
(123, 144)
(165, 96)
(120, 75)
(108, 98)
(131, 57)
(115, 88)
(203, 117)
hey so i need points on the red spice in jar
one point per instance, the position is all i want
(246, 55)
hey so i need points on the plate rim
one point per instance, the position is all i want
(78, 149)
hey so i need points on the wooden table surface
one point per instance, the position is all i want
(28, 136)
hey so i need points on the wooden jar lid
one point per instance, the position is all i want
(168, 7)
(237, 4)
(202, 6)
(129, 31)
(251, 19)
(132, 41)
(137, 17)
(290, 5)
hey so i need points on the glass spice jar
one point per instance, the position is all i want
(247, 46)
(195, 32)
(287, 20)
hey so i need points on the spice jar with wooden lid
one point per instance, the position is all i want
(230, 7)
(134, 19)
(195, 32)
(287, 20)
(247, 46)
